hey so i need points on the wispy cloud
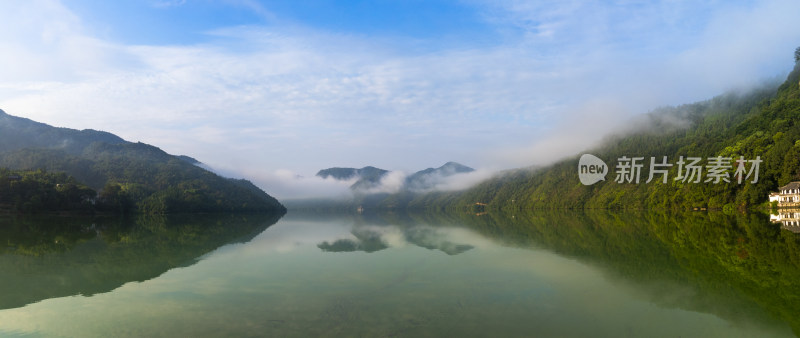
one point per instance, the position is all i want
(463, 181)
(257, 99)
(286, 184)
(168, 3)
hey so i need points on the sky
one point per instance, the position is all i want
(273, 90)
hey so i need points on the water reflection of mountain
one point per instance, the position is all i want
(739, 267)
(48, 257)
(733, 266)
(366, 240)
(371, 233)
(371, 240)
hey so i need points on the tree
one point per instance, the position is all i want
(113, 198)
(797, 55)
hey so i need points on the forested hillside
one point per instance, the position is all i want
(129, 177)
(34, 191)
(761, 123)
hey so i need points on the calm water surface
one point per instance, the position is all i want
(418, 275)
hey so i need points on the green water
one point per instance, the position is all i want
(529, 274)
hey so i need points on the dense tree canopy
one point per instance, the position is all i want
(797, 55)
(33, 191)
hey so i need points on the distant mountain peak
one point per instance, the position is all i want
(367, 177)
(458, 167)
(344, 174)
(428, 178)
(338, 173)
(370, 177)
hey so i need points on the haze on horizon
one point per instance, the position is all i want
(269, 90)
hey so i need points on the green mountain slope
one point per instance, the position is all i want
(428, 178)
(131, 177)
(760, 123)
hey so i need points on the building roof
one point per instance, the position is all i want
(790, 186)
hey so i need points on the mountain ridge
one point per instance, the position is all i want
(370, 177)
(131, 177)
(427, 178)
(761, 123)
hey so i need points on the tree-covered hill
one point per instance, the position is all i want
(367, 177)
(130, 177)
(763, 124)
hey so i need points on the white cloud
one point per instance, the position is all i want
(286, 184)
(587, 125)
(325, 98)
(636, 58)
(48, 43)
(390, 183)
(254, 100)
(463, 180)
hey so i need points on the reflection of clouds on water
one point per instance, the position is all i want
(366, 240)
(307, 232)
(290, 235)
(373, 238)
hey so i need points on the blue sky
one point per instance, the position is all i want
(187, 22)
(269, 90)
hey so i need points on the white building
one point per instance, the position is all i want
(788, 218)
(788, 195)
